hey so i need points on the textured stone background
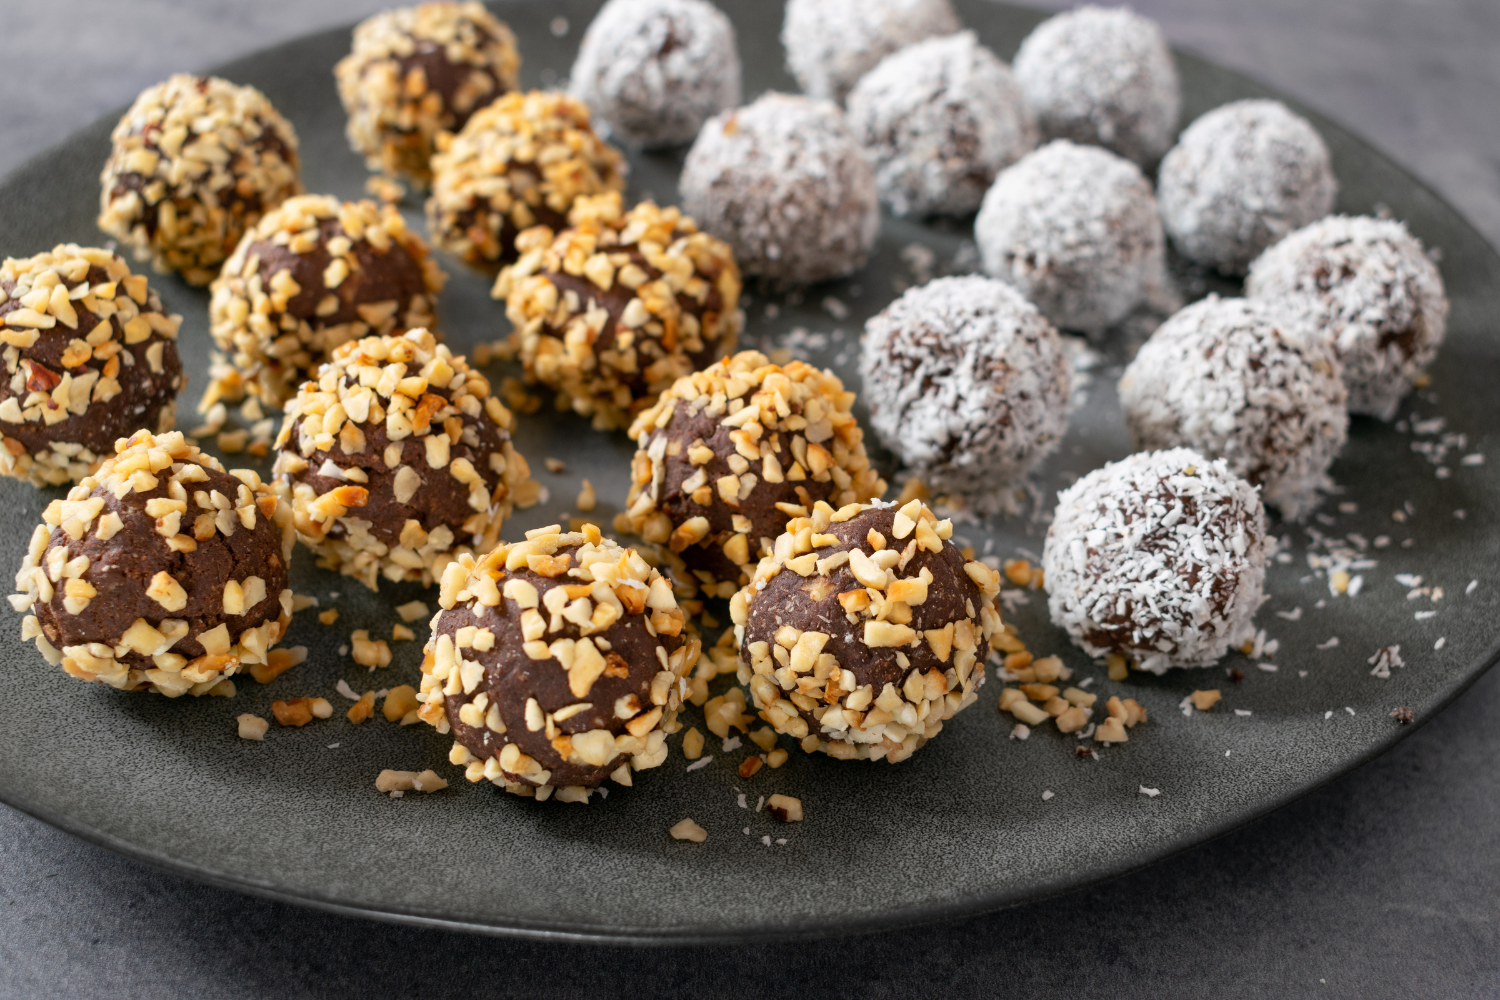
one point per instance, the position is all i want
(1386, 883)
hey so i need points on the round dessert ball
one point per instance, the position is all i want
(613, 310)
(1075, 230)
(1102, 76)
(556, 662)
(865, 630)
(196, 161)
(1160, 558)
(397, 459)
(940, 119)
(1222, 378)
(653, 71)
(90, 357)
(830, 44)
(160, 572)
(1365, 288)
(415, 72)
(519, 163)
(1240, 178)
(313, 274)
(787, 186)
(728, 454)
(967, 383)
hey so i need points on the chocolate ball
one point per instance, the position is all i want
(196, 161)
(613, 310)
(1367, 290)
(90, 357)
(314, 274)
(396, 460)
(940, 119)
(556, 662)
(1104, 77)
(1240, 178)
(830, 44)
(1075, 229)
(729, 454)
(865, 630)
(784, 182)
(968, 384)
(653, 71)
(160, 572)
(1223, 378)
(1159, 558)
(521, 162)
(416, 72)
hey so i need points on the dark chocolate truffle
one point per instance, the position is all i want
(1366, 289)
(1102, 76)
(90, 357)
(613, 310)
(1160, 558)
(865, 630)
(653, 71)
(415, 72)
(397, 460)
(728, 454)
(1222, 377)
(556, 662)
(830, 44)
(314, 274)
(521, 162)
(1240, 178)
(196, 162)
(784, 182)
(160, 572)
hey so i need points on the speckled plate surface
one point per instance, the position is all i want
(961, 827)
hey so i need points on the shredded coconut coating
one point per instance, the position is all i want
(967, 383)
(785, 184)
(728, 454)
(415, 72)
(653, 71)
(196, 161)
(401, 431)
(521, 162)
(613, 310)
(555, 662)
(90, 357)
(1240, 178)
(1159, 557)
(830, 44)
(1075, 229)
(1222, 378)
(865, 629)
(1366, 288)
(940, 119)
(314, 274)
(1102, 76)
(173, 506)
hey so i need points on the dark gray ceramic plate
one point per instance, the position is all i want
(961, 827)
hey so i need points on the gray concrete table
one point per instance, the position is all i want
(1386, 883)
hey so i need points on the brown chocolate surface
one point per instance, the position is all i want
(445, 77)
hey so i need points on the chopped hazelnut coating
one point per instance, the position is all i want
(159, 572)
(90, 357)
(728, 454)
(397, 459)
(865, 629)
(615, 309)
(314, 274)
(521, 162)
(556, 662)
(417, 72)
(196, 161)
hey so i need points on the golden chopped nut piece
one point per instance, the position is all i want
(688, 830)
(785, 808)
(1204, 700)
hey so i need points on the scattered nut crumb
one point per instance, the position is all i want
(749, 766)
(785, 808)
(586, 498)
(362, 709)
(412, 610)
(400, 702)
(369, 652)
(385, 188)
(1204, 700)
(233, 442)
(278, 662)
(328, 617)
(252, 727)
(321, 708)
(400, 633)
(1402, 715)
(776, 758)
(764, 737)
(301, 602)
(555, 465)
(688, 830)
(692, 744)
(1018, 571)
(297, 712)
(409, 781)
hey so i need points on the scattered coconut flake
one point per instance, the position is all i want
(1332, 642)
(344, 689)
(1020, 732)
(1269, 668)
(1242, 712)
(1473, 585)
(766, 840)
(1348, 709)
(700, 762)
(1443, 641)
(1047, 795)
(1150, 793)
(1292, 615)
(1476, 458)
(1327, 715)
(761, 802)
(1384, 659)
(733, 743)
(1186, 705)
(1422, 616)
